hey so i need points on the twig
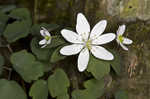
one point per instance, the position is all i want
(9, 48)
(23, 84)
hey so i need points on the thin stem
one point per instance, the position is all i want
(75, 84)
(74, 78)
(23, 84)
(55, 36)
(9, 75)
(117, 47)
(75, 81)
(9, 48)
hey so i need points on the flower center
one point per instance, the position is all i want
(120, 38)
(47, 37)
(88, 44)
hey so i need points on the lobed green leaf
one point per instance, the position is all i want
(98, 68)
(39, 90)
(22, 14)
(11, 90)
(21, 27)
(116, 63)
(94, 89)
(58, 83)
(3, 20)
(16, 30)
(41, 53)
(26, 65)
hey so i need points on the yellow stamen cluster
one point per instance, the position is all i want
(88, 44)
(47, 38)
(120, 37)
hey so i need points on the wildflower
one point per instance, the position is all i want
(84, 41)
(47, 37)
(122, 40)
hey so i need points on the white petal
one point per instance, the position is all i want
(103, 39)
(44, 32)
(71, 49)
(123, 46)
(42, 42)
(127, 41)
(121, 30)
(82, 27)
(98, 29)
(71, 36)
(44, 46)
(101, 53)
(83, 59)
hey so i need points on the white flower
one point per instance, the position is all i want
(122, 40)
(47, 37)
(84, 41)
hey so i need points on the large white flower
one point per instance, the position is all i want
(122, 40)
(47, 37)
(85, 40)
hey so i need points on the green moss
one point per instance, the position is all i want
(130, 9)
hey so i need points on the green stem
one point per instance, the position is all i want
(55, 36)
(74, 78)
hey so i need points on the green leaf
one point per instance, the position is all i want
(7, 8)
(41, 53)
(11, 90)
(94, 89)
(80, 94)
(98, 68)
(116, 63)
(1, 63)
(3, 20)
(121, 95)
(20, 28)
(39, 90)
(47, 66)
(21, 14)
(26, 65)
(25, 16)
(56, 56)
(16, 30)
(58, 83)
(65, 96)
(35, 30)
